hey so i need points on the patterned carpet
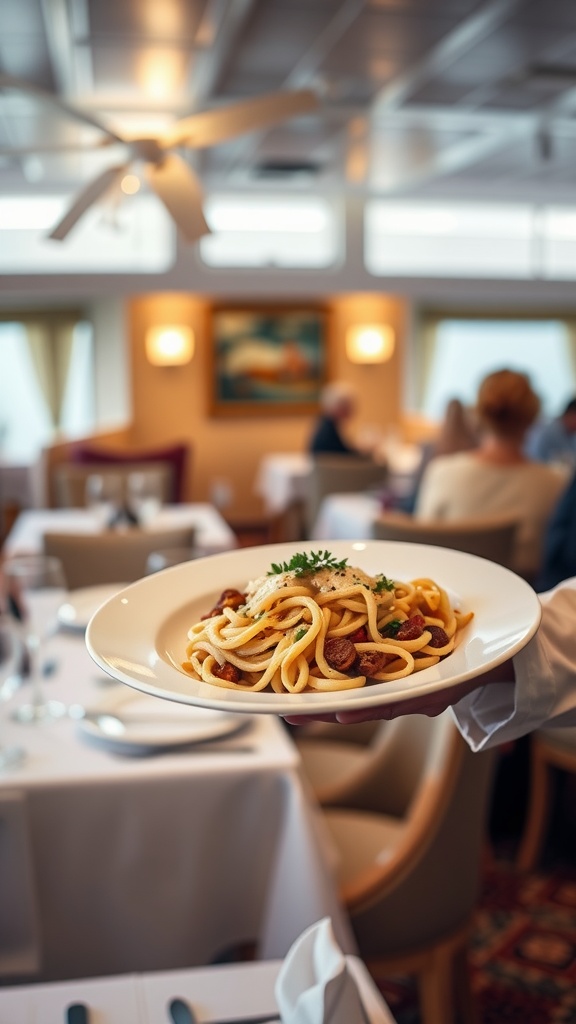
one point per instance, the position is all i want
(523, 952)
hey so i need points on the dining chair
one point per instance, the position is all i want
(551, 750)
(411, 883)
(70, 480)
(113, 556)
(377, 770)
(489, 538)
(334, 474)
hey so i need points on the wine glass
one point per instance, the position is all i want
(10, 661)
(144, 494)
(104, 495)
(35, 588)
(163, 558)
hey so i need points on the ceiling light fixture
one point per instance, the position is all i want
(130, 184)
(169, 345)
(369, 343)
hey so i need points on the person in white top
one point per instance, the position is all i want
(497, 479)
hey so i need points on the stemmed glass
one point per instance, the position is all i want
(144, 495)
(35, 588)
(10, 661)
(103, 492)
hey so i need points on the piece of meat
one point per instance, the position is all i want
(340, 653)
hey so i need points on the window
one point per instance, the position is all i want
(138, 237)
(454, 354)
(271, 231)
(33, 408)
(455, 239)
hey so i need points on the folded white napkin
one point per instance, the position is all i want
(315, 985)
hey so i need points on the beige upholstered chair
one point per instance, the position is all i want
(334, 474)
(411, 884)
(550, 749)
(114, 556)
(489, 538)
(379, 773)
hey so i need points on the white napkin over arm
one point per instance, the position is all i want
(315, 985)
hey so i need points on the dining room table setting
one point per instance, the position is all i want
(212, 532)
(315, 983)
(145, 834)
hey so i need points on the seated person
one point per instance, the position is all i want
(337, 405)
(555, 441)
(458, 433)
(497, 479)
(559, 558)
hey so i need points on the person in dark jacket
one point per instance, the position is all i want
(559, 556)
(337, 405)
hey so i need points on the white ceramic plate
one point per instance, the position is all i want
(135, 723)
(140, 636)
(81, 604)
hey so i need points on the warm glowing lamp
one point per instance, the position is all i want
(369, 343)
(171, 345)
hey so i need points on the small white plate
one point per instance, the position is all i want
(81, 604)
(135, 723)
(140, 636)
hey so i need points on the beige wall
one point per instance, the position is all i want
(172, 403)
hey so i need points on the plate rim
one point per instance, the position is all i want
(265, 702)
(113, 705)
(73, 595)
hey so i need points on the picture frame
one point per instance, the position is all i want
(267, 360)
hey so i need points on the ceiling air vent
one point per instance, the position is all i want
(285, 169)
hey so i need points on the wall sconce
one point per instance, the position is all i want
(171, 345)
(369, 343)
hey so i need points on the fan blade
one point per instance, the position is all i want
(11, 82)
(179, 189)
(85, 199)
(213, 126)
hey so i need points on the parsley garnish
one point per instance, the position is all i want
(302, 563)
(391, 628)
(383, 583)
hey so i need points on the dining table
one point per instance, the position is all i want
(212, 532)
(282, 484)
(240, 992)
(347, 517)
(117, 858)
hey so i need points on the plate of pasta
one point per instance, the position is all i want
(313, 628)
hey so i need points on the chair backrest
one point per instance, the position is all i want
(429, 882)
(69, 480)
(178, 456)
(489, 538)
(380, 774)
(114, 556)
(334, 474)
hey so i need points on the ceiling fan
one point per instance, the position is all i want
(167, 173)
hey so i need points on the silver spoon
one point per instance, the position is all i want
(181, 1012)
(77, 1013)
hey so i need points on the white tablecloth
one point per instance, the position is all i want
(346, 517)
(115, 864)
(213, 533)
(215, 993)
(281, 480)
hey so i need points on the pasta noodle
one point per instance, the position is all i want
(318, 624)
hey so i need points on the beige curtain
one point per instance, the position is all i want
(571, 328)
(428, 334)
(50, 345)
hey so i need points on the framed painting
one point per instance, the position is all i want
(267, 360)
